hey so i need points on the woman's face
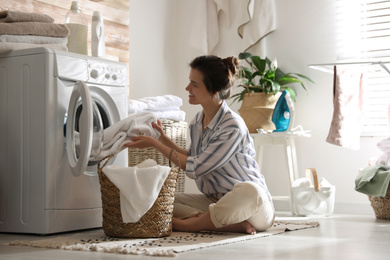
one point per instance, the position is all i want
(198, 93)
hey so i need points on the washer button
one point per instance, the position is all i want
(94, 74)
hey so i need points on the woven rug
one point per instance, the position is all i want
(177, 242)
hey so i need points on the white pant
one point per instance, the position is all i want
(247, 201)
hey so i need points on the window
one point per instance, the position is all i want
(364, 36)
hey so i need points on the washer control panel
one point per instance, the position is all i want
(72, 66)
(107, 73)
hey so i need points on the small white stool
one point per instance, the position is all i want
(287, 139)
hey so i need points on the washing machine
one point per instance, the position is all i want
(54, 107)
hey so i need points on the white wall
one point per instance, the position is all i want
(159, 57)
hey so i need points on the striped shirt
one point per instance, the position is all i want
(223, 156)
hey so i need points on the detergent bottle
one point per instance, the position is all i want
(78, 27)
(97, 35)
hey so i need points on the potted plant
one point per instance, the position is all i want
(262, 83)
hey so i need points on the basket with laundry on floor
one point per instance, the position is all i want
(137, 201)
(374, 181)
(166, 108)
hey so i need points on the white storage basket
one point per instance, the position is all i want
(313, 200)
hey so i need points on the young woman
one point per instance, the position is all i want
(220, 158)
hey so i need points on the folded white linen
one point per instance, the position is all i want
(136, 106)
(160, 103)
(117, 135)
(33, 39)
(156, 104)
(176, 115)
(10, 46)
(139, 187)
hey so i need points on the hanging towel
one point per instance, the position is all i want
(204, 35)
(139, 187)
(117, 135)
(261, 21)
(34, 28)
(373, 180)
(15, 16)
(348, 91)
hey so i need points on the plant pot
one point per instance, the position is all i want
(257, 110)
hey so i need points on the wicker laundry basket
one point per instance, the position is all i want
(177, 131)
(157, 221)
(381, 205)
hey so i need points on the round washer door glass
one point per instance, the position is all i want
(80, 128)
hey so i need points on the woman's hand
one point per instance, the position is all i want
(158, 127)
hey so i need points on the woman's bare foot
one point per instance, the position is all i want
(203, 222)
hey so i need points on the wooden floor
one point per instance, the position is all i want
(338, 237)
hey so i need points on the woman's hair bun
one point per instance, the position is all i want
(231, 63)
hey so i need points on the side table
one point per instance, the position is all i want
(287, 139)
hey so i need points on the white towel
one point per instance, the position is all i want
(175, 115)
(136, 106)
(162, 103)
(348, 92)
(33, 39)
(9, 46)
(204, 35)
(139, 187)
(117, 135)
(157, 103)
(261, 21)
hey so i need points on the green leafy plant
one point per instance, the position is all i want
(262, 75)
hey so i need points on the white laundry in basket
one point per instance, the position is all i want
(315, 198)
(139, 187)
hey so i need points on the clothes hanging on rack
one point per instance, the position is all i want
(346, 125)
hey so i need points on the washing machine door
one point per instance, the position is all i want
(81, 124)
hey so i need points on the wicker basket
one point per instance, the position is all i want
(177, 131)
(381, 205)
(157, 221)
